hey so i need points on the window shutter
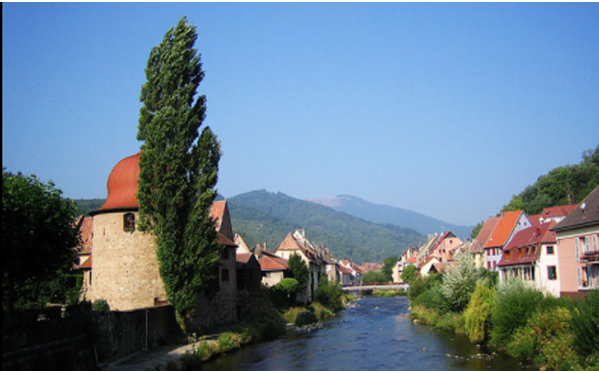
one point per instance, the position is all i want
(579, 277)
(594, 243)
(586, 244)
(577, 244)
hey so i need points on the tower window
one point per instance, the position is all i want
(129, 222)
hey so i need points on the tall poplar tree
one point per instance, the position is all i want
(178, 167)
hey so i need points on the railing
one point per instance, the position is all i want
(590, 256)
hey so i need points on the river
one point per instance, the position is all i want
(372, 334)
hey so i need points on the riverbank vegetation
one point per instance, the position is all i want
(547, 332)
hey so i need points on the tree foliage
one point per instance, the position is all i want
(459, 282)
(178, 167)
(38, 241)
(409, 274)
(299, 271)
(388, 264)
(561, 186)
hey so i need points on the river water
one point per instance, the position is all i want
(372, 334)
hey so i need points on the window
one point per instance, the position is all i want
(550, 250)
(584, 277)
(224, 254)
(595, 243)
(552, 272)
(129, 222)
(586, 244)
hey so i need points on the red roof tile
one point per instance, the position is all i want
(269, 263)
(504, 229)
(525, 246)
(485, 232)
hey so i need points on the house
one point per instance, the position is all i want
(445, 246)
(298, 244)
(510, 223)
(577, 236)
(274, 268)
(477, 247)
(429, 265)
(350, 273)
(531, 256)
(407, 258)
(123, 268)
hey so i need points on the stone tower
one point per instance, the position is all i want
(125, 270)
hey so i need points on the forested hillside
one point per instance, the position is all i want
(262, 215)
(561, 186)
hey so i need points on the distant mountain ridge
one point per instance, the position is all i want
(384, 214)
(261, 215)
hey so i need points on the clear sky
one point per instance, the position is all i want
(444, 109)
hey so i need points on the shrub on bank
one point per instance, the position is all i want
(514, 304)
(434, 299)
(329, 294)
(306, 318)
(262, 325)
(422, 284)
(477, 316)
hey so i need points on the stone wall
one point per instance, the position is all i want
(125, 270)
(120, 334)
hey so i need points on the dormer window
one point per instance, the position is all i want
(129, 222)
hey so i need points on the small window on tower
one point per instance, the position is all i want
(129, 222)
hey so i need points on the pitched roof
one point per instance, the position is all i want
(87, 264)
(483, 235)
(504, 229)
(221, 239)
(273, 263)
(86, 230)
(557, 211)
(217, 211)
(243, 257)
(518, 249)
(587, 213)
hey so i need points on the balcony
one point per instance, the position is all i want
(590, 256)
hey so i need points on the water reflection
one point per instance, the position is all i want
(374, 334)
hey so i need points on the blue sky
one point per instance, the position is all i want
(444, 109)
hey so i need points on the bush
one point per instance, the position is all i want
(585, 324)
(262, 325)
(101, 305)
(228, 341)
(284, 293)
(329, 294)
(459, 282)
(290, 315)
(514, 304)
(422, 284)
(434, 299)
(306, 318)
(477, 316)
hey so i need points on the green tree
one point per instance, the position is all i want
(299, 271)
(409, 274)
(388, 264)
(178, 167)
(38, 238)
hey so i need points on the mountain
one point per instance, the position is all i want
(261, 215)
(383, 214)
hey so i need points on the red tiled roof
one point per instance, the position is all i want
(243, 258)
(525, 246)
(86, 225)
(557, 211)
(269, 263)
(217, 211)
(481, 239)
(220, 238)
(86, 264)
(504, 229)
